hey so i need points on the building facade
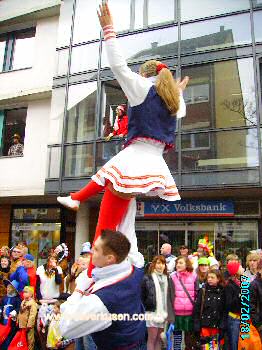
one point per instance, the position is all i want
(217, 159)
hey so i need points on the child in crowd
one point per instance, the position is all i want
(202, 271)
(27, 315)
(54, 333)
(4, 274)
(209, 310)
(9, 307)
(154, 298)
(156, 102)
(181, 298)
(233, 303)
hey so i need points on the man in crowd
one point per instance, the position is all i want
(170, 259)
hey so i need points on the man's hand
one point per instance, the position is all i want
(182, 84)
(104, 16)
(108, 138)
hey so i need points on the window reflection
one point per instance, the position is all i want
(81, 112)
(54, 154)
(105, 151)
(62, 62)
(86, 24)
(220, 150)
(220, 95)
(23, 55)
(150, 45)
(84, 58)
(190, 9)
(161, 11)
(65, 19)
(139, 14)
(78, 160)
(112, 96)
(216, 33)
(257, 25)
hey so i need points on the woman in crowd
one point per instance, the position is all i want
(202, 271)
(252, 261)
(233, 303)
(154, 298)
(181, 298)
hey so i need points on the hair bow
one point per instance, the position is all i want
(160, 66)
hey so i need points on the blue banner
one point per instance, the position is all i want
(187, 208)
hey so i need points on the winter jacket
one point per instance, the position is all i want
(256, 300)
(213, 308)
(232, 297)
(148, 293)
(178, 302)
(21, 276)
(27, 314)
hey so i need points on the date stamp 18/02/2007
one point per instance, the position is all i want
(245, 307)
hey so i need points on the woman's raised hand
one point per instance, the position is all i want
(182, 84)
(104, 15)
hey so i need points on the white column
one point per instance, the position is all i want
(82, 227)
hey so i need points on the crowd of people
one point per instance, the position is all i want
(191, 292)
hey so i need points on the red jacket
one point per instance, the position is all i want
(122, 124)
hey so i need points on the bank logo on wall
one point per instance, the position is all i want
(185, 208)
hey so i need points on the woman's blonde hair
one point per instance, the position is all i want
(166, 85)
(252, 256)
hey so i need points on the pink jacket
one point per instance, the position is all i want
(182, 304)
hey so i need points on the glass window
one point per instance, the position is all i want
(171, 158)
(220, 95)
(139, 14)
(191, 9)
(81, 112)
(78, 160)
(161, 11)
(24, 48)
(40, 237)
(235, 237)
(12, 123)
(62, 62)
(215, 33)
(220, 150)
(2, 52)
(84, 58)
(112, 96)
(57, 115)
(257, 25)
(105, 151)
(257, 3)
(65, 22)
(149, 45)
(54, 154)
(86, 24)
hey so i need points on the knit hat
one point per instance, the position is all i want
(29, 257)
(233, 267)
(29, 289)
(86, 248)
(203, 261)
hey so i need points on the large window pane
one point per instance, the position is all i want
(235, 238)
(191, 9)
(139, 14)
(57, 115)
(23, 55)
(81, 112)
(171, 158)
(84, 58)
(78, 160)
(161, 11)
(2, 52)
(257, 25)
(150, 45)
(86, 25)
(257, 3)
(216, 33)
(105, 151)
(112, 96)
(220, 95)
(54, 154)
(65, 22)
(220, 150)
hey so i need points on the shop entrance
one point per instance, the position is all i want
(227, 237)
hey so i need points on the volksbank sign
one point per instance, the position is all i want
(185, 208)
